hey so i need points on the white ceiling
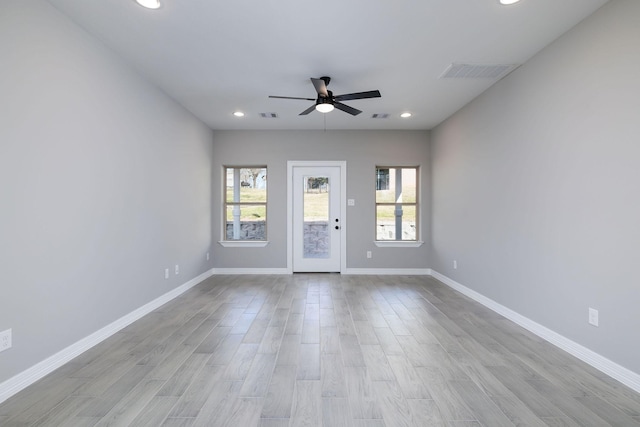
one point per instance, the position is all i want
(215, 57)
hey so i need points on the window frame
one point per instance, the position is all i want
(226, 204)
(416, 205)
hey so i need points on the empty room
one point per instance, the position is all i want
(360, 213)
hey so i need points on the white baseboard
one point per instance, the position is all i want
(26, 378)
(352, 271)
(220, 271)
(625, 376)
(389, 271)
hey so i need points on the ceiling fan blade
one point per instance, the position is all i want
(359, 95)
(320, 86)
(346, 108)
(291, 97)
(308, 110)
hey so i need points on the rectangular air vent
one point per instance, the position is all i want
(380, 116)
(268, 115)
(477, 71)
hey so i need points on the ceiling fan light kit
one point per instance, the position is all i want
(326, 101)
(325, 107)
(149, 4)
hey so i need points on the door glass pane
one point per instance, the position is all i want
(316, 221)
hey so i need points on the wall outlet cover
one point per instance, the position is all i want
(5, 340)
(593, 317)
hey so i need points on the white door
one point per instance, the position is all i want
(317, 218)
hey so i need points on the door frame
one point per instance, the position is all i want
(342, 164)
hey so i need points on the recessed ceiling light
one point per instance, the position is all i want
(238, 113)
(149, 4)
(506, 2)
(405, 115)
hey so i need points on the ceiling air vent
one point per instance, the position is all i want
(477, 71)
(380, 116)
(268, 115)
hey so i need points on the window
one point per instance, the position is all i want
(245, 203)
(396, 204)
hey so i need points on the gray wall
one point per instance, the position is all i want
(536, 187)
(104, 182)
(362, 150)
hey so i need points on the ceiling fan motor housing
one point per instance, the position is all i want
(325, 100)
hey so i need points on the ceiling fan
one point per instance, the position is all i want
(326, 101)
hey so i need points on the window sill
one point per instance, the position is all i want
(398, 244)
(244, 243)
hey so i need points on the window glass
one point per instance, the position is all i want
(397, 203)
(245, 201)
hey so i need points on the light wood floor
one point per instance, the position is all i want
(323, 349)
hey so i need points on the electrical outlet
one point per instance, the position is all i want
(177, 269)
(368, 254)
(166, 273)
(593, 316)
(455, 264)
(5, 340)
(207, 256)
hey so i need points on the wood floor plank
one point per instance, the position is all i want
(218, 405)
(257, 380)
(244, 412)
(155, 412)
(212, 339)
(332, 376)
(362, 400)
(274, 422)
(183, 376)
(306, 409)
(128, 407)
(393, 406)
(351, 351)
(451, 405)
(389, 342)
(308, 362)
(310, 331)
(377, 364)
(336, 413)
(59, 415)
(100, 406)
(240, 363)
(279, 398)
(365, 332)
(483, 408)
(271, 340)
(407, 378)
(425, 412)
(329, 340)
(203, 386)
(538, 403)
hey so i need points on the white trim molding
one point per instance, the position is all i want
(389, 271)
(625, 376)
(243, 243)
(342, 164)
(398, 243)
(26, 378)
(235, 271)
